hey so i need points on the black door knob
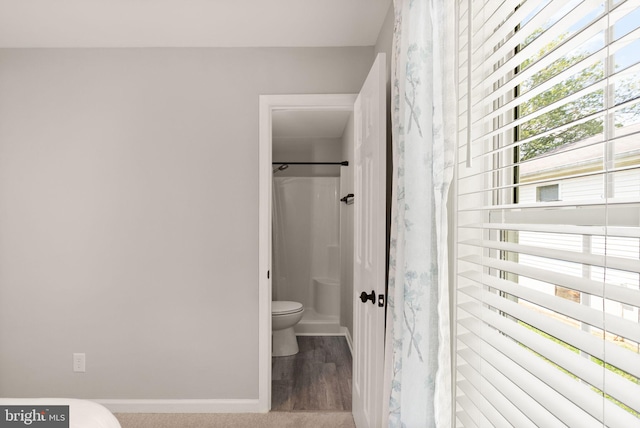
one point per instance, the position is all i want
(364, 297)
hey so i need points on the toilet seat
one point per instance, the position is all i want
(284, 307)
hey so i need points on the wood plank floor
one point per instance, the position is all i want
(316, 378)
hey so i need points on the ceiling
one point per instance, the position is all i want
(309, 123)
(190, 23)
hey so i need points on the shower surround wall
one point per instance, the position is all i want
(306, 249)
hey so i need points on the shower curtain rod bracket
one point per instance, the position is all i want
(348, 199)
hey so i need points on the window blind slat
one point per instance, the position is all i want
(472, 413)
(463, 417)
(611, 262)
(585, 285)
(576, 311)
(530, 27)
(617, 386)
(495, 418)
(558, 129)
(535, 412)
(537, 393)
(499, 351)
(504, 405)
(587, 31)
(517, 79)
(528, 183)
(628, 232)
(613, 216)
(559, 204)
(508, 127)
(592, 88)
(617, 357)
(581, 340)
(534, 376)
(548, 60)
(496, 18)
(486, 99)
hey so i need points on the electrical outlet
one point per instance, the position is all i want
(79, 363)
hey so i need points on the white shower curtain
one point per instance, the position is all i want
(418, 361)
(305, 236)
(278, 243)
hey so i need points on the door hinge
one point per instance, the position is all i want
(268, 274)
(381, 300)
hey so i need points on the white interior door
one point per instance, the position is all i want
(369, 247)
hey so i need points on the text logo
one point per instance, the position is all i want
(34, 416)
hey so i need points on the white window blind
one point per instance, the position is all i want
(548, 288)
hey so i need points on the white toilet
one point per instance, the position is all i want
(284, 315)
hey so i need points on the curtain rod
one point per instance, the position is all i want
(343, 163)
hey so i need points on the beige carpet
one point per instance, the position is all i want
(237, 420)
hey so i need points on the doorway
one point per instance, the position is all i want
(312, 233)
(318, 109)
(369, 178)
(312, 256)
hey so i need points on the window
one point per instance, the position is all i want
(548, 284)
(548, 193)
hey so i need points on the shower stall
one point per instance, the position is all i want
(306, 253)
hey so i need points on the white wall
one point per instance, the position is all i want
(310, 149)
(384, 44)
(129, 214)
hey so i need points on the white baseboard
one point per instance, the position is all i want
(347, 336)
(182, 406)
(318, 329)
(320, 333)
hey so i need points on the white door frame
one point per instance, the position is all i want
(269, 103)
